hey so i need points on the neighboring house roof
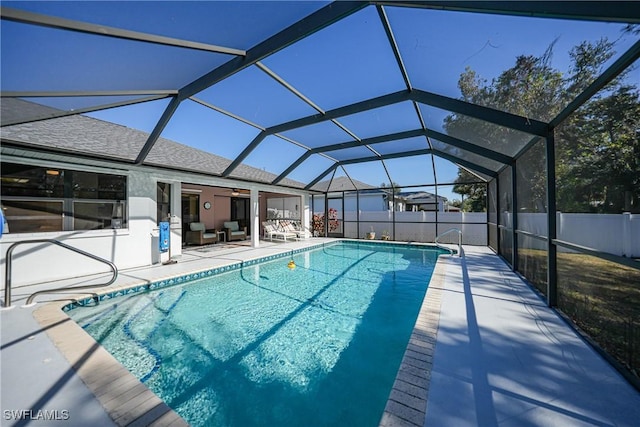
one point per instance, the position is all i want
(86, 135)
(421, 197)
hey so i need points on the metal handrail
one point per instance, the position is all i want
(7, 288)
(451, 230)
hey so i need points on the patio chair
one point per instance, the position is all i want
(270, 230)
(199, 235)
(289, 226)
(234, 232)
(268, 227)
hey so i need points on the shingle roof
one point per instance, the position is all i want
(13, 110)
(86, 135)
(342, 183)
(418, 196)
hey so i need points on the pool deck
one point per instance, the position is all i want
(503, 358)
(485, 351)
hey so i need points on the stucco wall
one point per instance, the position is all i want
(221, 211)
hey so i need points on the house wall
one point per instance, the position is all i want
(220, 205)
(376, 202)
(429, 206)
(127, 248)
(207, 216)
(134, 246)
(367, 202)
(221, 211)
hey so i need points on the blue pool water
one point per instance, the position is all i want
(265, 345)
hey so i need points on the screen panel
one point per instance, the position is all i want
(203, 128)
(46, 59)
(383, 121)
(255, 96)
(519, 64)
(333, 67)
(599, 296)
(531, 187)
(238, 25)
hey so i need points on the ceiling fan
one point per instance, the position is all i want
(240, 192)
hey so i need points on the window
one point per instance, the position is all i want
(283, 208)
(31, 215)
(39, 199)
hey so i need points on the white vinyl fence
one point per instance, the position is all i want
(617, 234)
(418, 226)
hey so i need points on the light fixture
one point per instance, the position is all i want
(235, 192)
(53, 172)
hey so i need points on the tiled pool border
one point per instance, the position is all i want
(203, 274)
(130, 403)
(407, 402)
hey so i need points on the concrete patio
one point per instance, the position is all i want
(503, 358)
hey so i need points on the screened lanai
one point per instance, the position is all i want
(529, 110)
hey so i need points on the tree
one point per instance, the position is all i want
(396, 187)
(597, 147)
(466, 185)
(531, 88)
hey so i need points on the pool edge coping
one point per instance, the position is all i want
(407, 402)
(125, 399)
(128, 402)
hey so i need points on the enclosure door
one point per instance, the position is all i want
(335, 215)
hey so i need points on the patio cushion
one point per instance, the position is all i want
(232, 225)
(196, 226)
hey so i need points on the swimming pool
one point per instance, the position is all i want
(267, 345)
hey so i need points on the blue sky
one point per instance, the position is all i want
(347, 62)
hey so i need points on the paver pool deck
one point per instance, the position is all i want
(485, 351)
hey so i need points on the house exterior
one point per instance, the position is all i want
(375, 199)
(74, 179)
(370, 198)
(425, 201)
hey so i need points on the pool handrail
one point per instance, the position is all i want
(8, 271)
(451, 230)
